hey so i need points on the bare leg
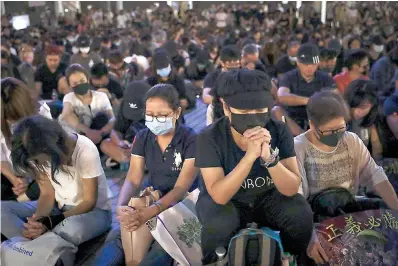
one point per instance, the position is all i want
(114, 151)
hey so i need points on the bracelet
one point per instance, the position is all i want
(159, 206)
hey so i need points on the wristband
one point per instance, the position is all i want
(51, 221)
(160, 206)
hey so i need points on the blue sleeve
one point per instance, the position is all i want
(379, 74)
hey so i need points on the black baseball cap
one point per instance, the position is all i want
(308, 54)
(83, 41)
(334, 44)
(133, 100)
(245, 89)
(202, 57)
(161, 59)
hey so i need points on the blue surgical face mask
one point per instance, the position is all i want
(164, 72)
(159, 128)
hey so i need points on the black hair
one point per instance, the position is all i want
(250, 49)
(99, 70)
(352, 39)
(36, 135)
(75, 68)
(105, 39)
(115, 57)
(363, 90)
(355, 57)
(326, 54)
(230, 53)
(165, 92)
(5, 55)
(326, 105)
(377, 40)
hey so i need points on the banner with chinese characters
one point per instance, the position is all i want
(363, 239)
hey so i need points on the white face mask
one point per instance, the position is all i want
(378, 48)
(159, 128)
(75, 50)
(85, 50)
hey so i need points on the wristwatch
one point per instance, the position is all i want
(272, 160)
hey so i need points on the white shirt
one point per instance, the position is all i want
(121, 21)
(5, 151)
(221, 18)
(85, 113)
(86, 163)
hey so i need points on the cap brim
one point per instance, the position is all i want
(133, 114)
(309, 60)
(250, 100)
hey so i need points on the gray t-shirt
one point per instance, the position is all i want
(86, 62)
(348, 165)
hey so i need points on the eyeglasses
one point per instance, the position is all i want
(160, 119)
(332, 131)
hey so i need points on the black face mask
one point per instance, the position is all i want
(243, 122)
(331, 140)
(81, 89)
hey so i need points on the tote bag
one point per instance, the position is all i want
(45, 250)
(178, 230)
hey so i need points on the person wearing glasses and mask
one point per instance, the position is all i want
(167, 149)
(329, 156)
(249, 169)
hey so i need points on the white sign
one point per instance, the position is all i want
(37, 3)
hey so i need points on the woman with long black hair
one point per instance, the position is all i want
(74, 194)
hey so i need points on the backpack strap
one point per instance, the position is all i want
(266, 247)
(240, 250)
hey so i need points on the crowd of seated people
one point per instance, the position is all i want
(287, 100)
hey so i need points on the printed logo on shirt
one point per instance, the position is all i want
(177, 165)
(257, 183)
(133, 105)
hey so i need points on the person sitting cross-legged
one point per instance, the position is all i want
(167, 149)
(249, 169)
(296, 86)
(75, 201)
(85, 110)
(129, 121)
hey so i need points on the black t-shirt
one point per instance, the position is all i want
(49, 80)
(193, 73)
(284, 65)
(299, 86)
(210, 80)
(115, 88)
(217, 148)
(164, 168)
(174, 80)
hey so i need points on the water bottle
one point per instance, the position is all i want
(124, 166)
(221, 252)
(54, 95)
